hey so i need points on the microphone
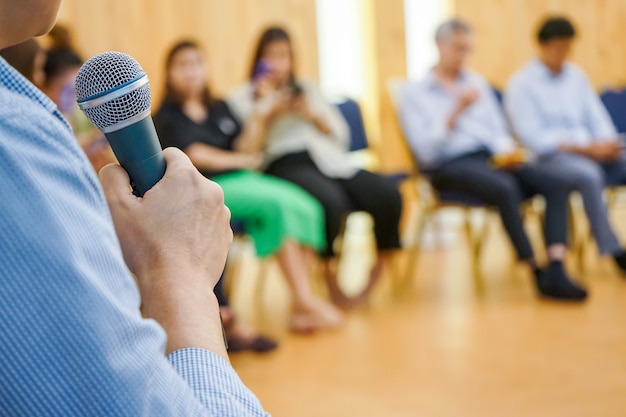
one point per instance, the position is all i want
(113, 92)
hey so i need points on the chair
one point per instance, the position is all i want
(432, 202)
(351, 112)
(615, 103)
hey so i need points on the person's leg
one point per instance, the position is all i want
(380, 198)
(615, 174)
(281, 217)
(586, 176)
(299, 169)
(553, 281)
(474, 176)
(222, 299)
(240, 336)
(309, 312)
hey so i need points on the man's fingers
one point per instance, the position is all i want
(115, 182)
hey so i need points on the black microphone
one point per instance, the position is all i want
(114, 93)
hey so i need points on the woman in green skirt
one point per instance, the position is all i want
(282, 219)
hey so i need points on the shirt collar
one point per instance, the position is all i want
(432, 83)
(15, 82)
(541, 70)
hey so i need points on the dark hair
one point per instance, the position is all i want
(555, 28)
(22, 57)
(269, 36)
(61, 55)
(171, 95)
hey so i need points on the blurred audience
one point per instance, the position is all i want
(240, 336)
(282, 219)
(62, 65)
(457, 131)
(557, 114)
(305, 141)
(28, 58)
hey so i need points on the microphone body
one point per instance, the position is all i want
(114, 94)
(138, 150)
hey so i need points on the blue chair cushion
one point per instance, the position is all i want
(615, 103)
(351, 112)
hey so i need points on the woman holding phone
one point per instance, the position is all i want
(282, 219)
(305, 141)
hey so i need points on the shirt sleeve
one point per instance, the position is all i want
(215, 383)
(527, 121)
(502, 142)
(597, 117)
(426, 133)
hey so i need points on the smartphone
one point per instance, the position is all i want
(261, 70)
(295, 89)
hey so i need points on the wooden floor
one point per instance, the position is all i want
(443, 348)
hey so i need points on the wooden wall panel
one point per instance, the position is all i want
(505, 35)
(227, 29)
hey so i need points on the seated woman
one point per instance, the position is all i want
(282, 219)
(306, 141)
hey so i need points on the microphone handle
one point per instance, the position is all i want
(138, 150)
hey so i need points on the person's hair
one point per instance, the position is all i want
(452, 27)
(555, 28)
(22, 57)
(269, 36)
(172, 96)
(61, 55)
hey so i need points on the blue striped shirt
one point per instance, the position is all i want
(547, 110)
(425, 107)
(72, 339)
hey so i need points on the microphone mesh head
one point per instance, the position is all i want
(104, 73)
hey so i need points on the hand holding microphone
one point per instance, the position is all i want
(176, 238)
(114, 93)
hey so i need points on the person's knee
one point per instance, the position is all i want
(507, 191)
(588, 178)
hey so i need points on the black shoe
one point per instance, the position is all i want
(620, 260)
(554, 283)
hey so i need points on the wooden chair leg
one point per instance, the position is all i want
(414, 253)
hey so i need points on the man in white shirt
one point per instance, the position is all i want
(556, 113)
(457, 132)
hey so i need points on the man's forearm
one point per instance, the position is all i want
(187, 310)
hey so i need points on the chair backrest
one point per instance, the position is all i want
(615, 103)
(498, 93)
(351, 112)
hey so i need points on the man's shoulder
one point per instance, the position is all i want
(523, 76)
(575, 71)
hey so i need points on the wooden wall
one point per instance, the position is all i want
(505, 35)
(228, 29)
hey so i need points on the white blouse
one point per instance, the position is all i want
(292, 134)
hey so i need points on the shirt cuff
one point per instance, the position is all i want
(215, 383)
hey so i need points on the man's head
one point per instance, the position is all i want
(23, 19)
(454, 41)
(555, 37)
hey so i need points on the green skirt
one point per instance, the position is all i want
(273, 210)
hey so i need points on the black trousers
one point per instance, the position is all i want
(472, 174)
(219, 292)
(366, 191)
